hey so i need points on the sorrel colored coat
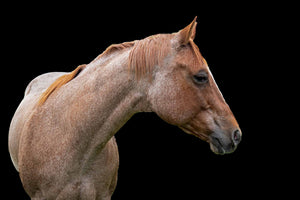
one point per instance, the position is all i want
(61, 138)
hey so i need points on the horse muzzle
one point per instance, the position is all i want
(223, 143)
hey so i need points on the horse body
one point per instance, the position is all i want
(61, 138)
(64, 131)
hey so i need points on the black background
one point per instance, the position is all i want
(157, 160)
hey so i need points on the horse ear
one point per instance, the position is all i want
(188, 33)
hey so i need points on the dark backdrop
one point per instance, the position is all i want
(157, 160)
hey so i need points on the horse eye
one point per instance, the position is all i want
(201, 77)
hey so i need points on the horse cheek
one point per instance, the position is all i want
(173, 105)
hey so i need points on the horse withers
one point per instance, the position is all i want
(61, 138)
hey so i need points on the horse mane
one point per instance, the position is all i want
(60, 82)
(144, 55)
(114, 48)
(148, 53)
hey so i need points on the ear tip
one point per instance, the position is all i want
(194, 22)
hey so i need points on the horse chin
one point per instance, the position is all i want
(219, 150)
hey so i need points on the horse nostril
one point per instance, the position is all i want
(236, 136)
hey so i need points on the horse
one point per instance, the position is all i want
(61, 137)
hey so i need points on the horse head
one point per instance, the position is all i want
(184, 93)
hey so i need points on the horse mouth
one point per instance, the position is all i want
(216, 144)
(201, 136)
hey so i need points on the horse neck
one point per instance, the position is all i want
(111, 97)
